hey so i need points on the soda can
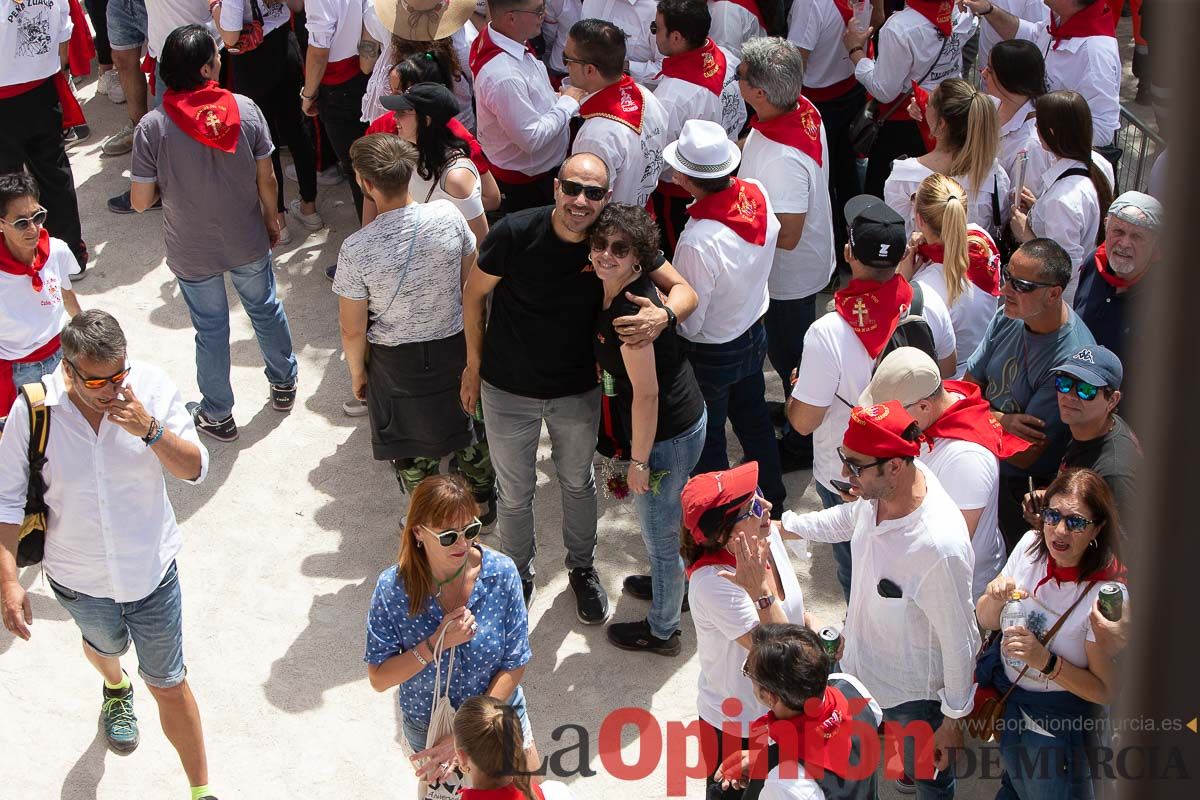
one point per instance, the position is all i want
(609, 383)
(831, 640)
(1111, 601)
(478, 415)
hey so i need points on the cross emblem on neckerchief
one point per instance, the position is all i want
(860, 311)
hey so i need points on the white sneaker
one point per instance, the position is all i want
(354, 408)
(312, 222)
(119, 143)
(285, 236)
(331, 176)
(109, 85)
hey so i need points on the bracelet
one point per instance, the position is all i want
(1050, 665)
(416, 651)
(303, 96)
(1058, 669)
(640, 466)
(158, 434)
(855, 49)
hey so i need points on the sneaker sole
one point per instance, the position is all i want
(658, 651)
(607, 617)
(218, 436)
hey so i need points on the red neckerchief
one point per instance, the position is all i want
(704, 66)
(936, 11)
(208, 114)
(483, 50)
(799, 128)
(1114, 570)
(873, 309)
(741, 207)
(752, 7)
(41, 254)
(510, 792)
(843, 8)
(971, 420)
(720, 557)
(1095, 20)
(81, 47)
(983, 260)
(818, 737)
(921, 97)
(1112, 278)
(621, 102)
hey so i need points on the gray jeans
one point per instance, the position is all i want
(514, 427)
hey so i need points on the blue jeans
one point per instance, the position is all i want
(929, 711)
(31, 372)
(660, 515)
(731, 379)
(1041, 767)
(209, 309)
(417, 732)
(127, 24)
(841, 550)
(153, 624)
(786, 322)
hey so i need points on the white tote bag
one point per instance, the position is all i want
(441, 723)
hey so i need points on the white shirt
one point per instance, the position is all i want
(1043, 610)
(906, 177)
(1019, 133)
(237, 13)
(908, 45)
(464, 88)
(817, 26)
(1067, 211)
(922, 645)
(970, 474)
(1090, 65)
(425, 191)
(1032, 10)
(970, 314)
(634, 160)
(796, 184)
(721, 612)
(729, 275)
(336, 25)
(111, 529)
(522, 121)
(683, 100)
(555, 790)
(29, 40)
(732, 25)
(164, 16)
(834, 370)
(633, 17)
(33, 318)
(566, 13)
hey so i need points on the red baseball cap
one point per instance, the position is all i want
(879, 430)
(710, 498)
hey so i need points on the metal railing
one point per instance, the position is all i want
(1140, 146)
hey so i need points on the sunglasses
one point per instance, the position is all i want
(856, 469)
(1083, 390)
(618, 247)
(1020, 285)
(572, 189)
(99, 383)
(1075, 523)
(568, 60)
(24, 223)
(756, 508)
(449, 536)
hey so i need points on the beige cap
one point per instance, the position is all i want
(907, 374)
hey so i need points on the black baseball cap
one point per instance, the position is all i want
(428, 99)
(877, 236)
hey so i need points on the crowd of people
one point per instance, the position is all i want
(608, 217)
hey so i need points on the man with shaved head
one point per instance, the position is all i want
(531, 361)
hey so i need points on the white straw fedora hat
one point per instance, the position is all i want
(703, 151)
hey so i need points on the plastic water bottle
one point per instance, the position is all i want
(1013, 616)
(862, 14)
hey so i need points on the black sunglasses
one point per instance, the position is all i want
(857, 469)
(23, 223)
(449, 536)
(572, 189)
(1083, 390)
(618, 247)
(1075, 522)
(1020, 285)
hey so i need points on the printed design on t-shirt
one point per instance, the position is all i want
(652, 155)
(950, 62)
(999, 391)
(54, 291)
(33, 28)
(1035, 623)
(731, 106)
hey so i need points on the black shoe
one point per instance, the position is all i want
(591, 603)
(792, 461)
(637, 636)
(641, 587)
(222, 430)
(331, 272)
(778, 413)
(123, 204)
(283, 398)
(527, 590)
(489, 506)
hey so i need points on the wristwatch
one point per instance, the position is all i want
(672, 320)
(765, 601)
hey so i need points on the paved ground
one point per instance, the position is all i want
(283, 543)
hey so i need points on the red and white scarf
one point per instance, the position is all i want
(483, 50)
(1095, 20)
(1114, 570)
(873, 309)
(741, 207)
(939, 12)
(705, 66)
(1106, 272)
(970, 419)
(209, 114)
(819, 737)
(621, 102)
(10, 265)
(799, 128)
(983, 259)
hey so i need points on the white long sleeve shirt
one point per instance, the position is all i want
(922, 645)
(633, 17)
(1068, 211)
(908, 45)
(111, 529)
(336, 25)
(732, 25)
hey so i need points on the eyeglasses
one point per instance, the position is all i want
(756, 508)
(568, 60)
(1020, 285)
(37, 220)
(572, 189)
(857, 469)
(1083, 390)
(1075, 522)
(746, 670)
(618, 247)
(449, 536)
(540, 11)
(99, 383)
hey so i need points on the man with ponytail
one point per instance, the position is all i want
(491, 751)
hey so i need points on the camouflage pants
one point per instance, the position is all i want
(473, 462)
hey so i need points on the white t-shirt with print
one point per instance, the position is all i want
(1045, 607)
(29, 40)
(721, 612)
(33, 318)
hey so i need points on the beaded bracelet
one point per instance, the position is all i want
(158, 434)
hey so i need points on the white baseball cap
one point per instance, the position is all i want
(907, 374)
(703, 151)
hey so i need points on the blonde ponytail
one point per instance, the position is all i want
(972, 129)
(942, 203)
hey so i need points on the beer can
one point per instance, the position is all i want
(1111, 601)
(609, 383)
(478, 415)
(831, 639)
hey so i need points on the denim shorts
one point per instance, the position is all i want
(154, 625)
(30, 372)
(126, 24)
(417, 733)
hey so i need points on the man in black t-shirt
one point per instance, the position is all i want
(531, 361)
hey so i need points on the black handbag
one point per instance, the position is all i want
(865, 127)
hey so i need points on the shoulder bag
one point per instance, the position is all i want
(865, 127)
(31, 540)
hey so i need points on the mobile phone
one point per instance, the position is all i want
(841, 486)
(888, 588)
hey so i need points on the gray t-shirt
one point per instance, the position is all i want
(408, 265)
(212, 221)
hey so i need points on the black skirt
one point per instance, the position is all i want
(412, 399)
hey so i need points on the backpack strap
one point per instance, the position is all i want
(39, 424)
(1082, 172)
(917, 306)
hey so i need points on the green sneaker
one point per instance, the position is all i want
(120, 723)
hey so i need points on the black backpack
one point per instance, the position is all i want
(912, 331)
